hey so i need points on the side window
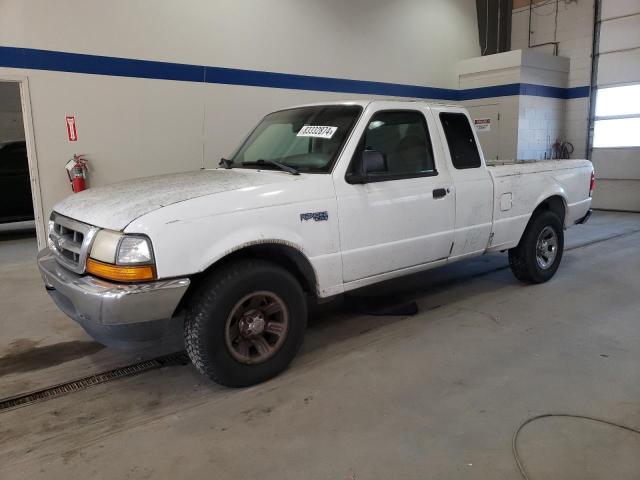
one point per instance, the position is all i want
(403, 138)
(462, 143)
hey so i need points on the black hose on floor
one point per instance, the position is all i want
(514, 445)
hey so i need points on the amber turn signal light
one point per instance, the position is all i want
(121, 273)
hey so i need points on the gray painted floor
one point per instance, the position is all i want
(436, 395)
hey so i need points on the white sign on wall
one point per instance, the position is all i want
(482, 124)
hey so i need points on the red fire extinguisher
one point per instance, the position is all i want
(77, 172)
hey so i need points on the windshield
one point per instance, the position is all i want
(308, 139)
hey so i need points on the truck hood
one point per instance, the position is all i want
(115, 206)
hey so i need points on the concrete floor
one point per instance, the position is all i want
(435, 395)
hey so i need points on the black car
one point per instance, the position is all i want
(15, 185)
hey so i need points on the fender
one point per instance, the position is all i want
(516, 226)
(239, 239)
(556, 190)
(540, 202)
(323, 273)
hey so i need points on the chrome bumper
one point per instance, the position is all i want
(115, 314)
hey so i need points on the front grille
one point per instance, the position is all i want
(70, 241)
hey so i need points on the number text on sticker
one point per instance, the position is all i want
(317, 131)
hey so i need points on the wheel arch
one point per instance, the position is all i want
(554, 203)
(283, 253)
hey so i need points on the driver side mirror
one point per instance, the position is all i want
(370, 162)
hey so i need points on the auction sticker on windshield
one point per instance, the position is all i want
(317, 131)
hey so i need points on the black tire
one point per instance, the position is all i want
(208, 311)
(523, 258)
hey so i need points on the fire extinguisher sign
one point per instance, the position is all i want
(72, 132)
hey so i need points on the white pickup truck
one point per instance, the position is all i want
(318, 200)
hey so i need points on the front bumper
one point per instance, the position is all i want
(130, 316)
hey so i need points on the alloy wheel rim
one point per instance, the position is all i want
(546, 247)
(256, 327)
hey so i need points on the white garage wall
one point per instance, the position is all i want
(131, 127)
(404, 41)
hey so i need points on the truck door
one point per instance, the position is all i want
(402, 216)
(471, 180)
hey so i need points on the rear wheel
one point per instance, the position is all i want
(538, 255)
(245, 323)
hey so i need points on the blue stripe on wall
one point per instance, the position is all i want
(35, 59)
(487, 92)
(578, 92)
(232, 76)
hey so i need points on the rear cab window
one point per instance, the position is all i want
(461, 141)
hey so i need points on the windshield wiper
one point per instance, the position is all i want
(281, 166)
(226, 163)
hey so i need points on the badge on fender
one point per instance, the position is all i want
(317, 216)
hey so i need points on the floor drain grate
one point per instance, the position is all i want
(86, 382)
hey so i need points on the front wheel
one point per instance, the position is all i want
(538, 255)
(245, 323)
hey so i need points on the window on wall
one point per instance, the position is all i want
(617, 122)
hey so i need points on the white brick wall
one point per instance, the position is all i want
(574, 35)
(541, 124)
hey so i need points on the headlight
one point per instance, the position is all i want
(105, 246)
(134, 250)
(121, 257)
(49, 232)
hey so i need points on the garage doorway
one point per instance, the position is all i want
(20, 206)
(615, 106)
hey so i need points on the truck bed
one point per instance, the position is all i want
(503, 168)
(521, 185)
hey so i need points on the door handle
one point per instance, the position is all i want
(439, 192)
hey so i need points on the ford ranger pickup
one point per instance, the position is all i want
(317, 200)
